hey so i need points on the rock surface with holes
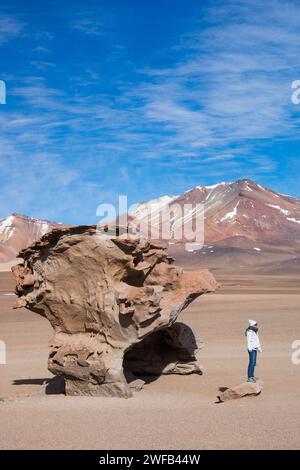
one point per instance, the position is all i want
(102, 295)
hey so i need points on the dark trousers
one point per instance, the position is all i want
(252, 363)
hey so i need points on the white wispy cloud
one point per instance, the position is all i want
(234, 84)
(40, 50)
(10, 28)
(224, 94)
(88, 25)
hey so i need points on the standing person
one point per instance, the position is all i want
(253, 344)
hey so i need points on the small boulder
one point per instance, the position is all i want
(240, 391)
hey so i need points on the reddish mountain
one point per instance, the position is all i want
(244, 224)
(245, 209)
(18, 231)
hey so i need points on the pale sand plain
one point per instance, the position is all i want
(172, 412)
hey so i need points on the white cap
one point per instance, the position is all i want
(252, 322)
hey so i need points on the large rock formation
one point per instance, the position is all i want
(102, 296)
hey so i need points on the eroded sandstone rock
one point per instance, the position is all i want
(103, 295)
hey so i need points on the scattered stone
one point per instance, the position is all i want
(137, 384)
(239, 391)
(6, 399)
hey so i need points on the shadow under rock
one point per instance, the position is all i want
(53, 386)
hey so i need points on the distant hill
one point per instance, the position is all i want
(18, 231)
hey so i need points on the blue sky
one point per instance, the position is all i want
(144, 98)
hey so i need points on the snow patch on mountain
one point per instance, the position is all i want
(213, 186)
(292, 219)
(7, 228)
(230, 215)
(283, 211)
(151, 208)
(44, 227)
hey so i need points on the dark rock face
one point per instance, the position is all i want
(171, 350)
(103, 295)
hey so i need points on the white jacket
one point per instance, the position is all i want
(253, 341)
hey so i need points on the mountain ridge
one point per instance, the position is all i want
(245, 223)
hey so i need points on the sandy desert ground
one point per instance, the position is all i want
(172, 412)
